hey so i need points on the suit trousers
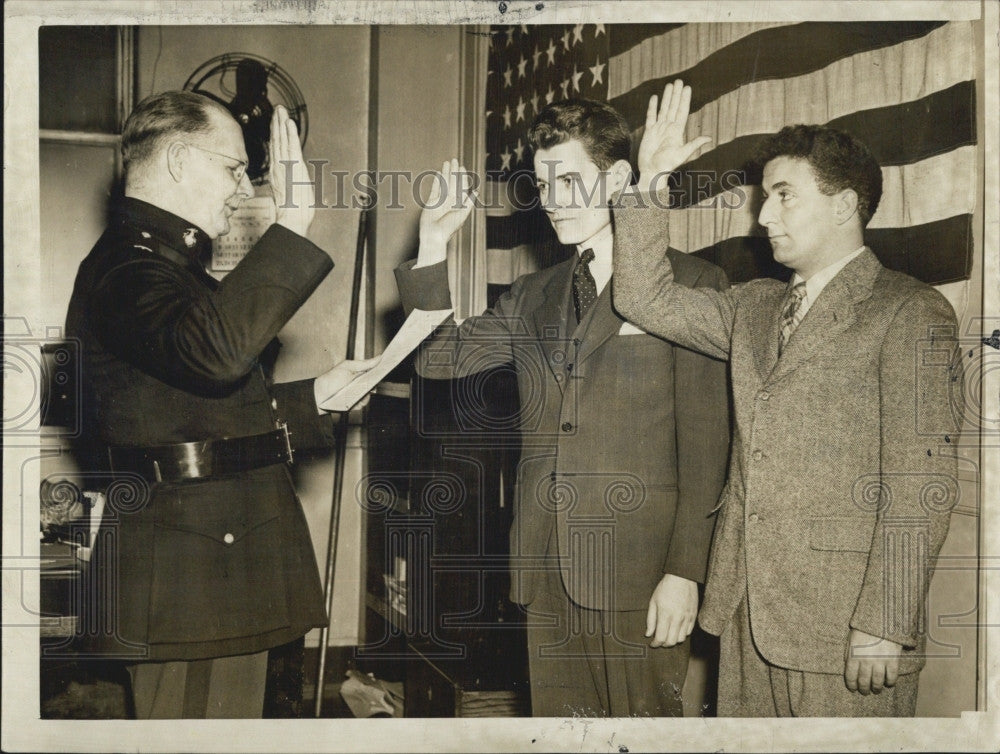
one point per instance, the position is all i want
(596, 663)
(220, 688)
(750, 686)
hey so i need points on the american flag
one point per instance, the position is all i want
(906, 88)
(531, 67)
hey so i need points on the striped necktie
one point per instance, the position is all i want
(791, 313)
(584, 287)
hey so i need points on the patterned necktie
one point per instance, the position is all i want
(791, 313)
(584, 287)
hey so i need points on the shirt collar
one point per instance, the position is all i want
(167, 228)
(602, 242)
(819, 280)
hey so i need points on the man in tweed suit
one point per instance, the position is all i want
(840, 483)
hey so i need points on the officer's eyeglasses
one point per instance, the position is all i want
(238, 170)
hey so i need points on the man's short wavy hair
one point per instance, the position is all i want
(161, 117)
(838, 160)
(602, 130)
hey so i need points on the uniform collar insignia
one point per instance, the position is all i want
(151, 222)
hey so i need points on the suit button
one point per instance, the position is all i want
(765, 395)
(754, 518)
(757, 455)
(229, 538)
(567, 427)
(569, 367)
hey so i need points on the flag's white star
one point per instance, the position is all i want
(576, 79)
(520, 109)
(549, 95)
(534, 102)
(534, 58)
(598, 29)
(551, 52)
(505, 164)
(578, 34)
(519, 150)
(510, 36)
(489, 113)
(520, 67)
(565, 88)
(524, 28)
(597, 71)
(506, 116)
(565, 39)
(506, 75)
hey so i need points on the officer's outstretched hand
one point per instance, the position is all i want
(330, 383)
(449, 204)
(294, 195)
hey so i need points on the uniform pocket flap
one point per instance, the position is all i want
(848, 534)
(221, 513)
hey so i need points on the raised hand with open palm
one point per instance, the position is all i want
(663, 147)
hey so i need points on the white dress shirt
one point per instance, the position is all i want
(602, 242)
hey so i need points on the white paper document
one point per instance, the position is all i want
(417, 327)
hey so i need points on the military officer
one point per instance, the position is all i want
(204, 560)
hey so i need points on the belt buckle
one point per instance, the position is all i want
(283, 426)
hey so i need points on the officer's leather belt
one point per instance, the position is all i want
(203, 458)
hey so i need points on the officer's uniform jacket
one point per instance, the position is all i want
(212, 566)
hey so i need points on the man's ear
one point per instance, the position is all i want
(620, 176)
(177, 156)
(845, 205)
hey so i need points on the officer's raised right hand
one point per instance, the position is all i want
(294, 195)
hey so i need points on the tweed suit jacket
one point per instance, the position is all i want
(842, 475)
(624, 436)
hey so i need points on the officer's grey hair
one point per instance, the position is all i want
(161, 117)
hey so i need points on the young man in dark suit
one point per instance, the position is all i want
(624, 435)
(842, 476)
(204, 560)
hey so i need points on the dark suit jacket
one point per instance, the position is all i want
(206, 567)
(624, 436)
(843, 473)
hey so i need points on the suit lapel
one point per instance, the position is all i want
(550, 318)
(833, 312)
(600, 324)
